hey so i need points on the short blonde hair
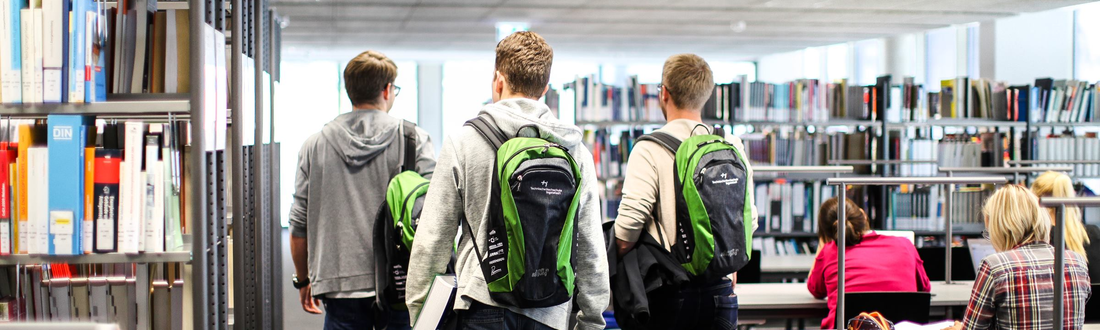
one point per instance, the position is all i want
(1014, 217)
(1058, 184)
(688, 79)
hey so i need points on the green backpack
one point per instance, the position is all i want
(533, 206)
(713, 206)
(395, 226)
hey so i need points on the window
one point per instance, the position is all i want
(303, 105)
(942, 56)
(836, 62)
(466, 87)
(812, 63)
(870, 60)
(1086, 52)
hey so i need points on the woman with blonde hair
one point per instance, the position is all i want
(1079, 237)
(1014, 287)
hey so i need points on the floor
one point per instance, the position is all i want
(294, 317)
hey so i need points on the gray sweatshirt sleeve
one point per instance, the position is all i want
(435, 235)
(299, 206)
(425, 160)
(593, 289)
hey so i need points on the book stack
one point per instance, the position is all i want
(772, 246)
(77, 51)
(800, 101)
(790, 207)
(1065, 101)
(966, 208)
(915, 209)
(1071, 148)
(70, 186)
(133, 296)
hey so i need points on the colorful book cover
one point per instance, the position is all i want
(89, 190)
(106, 189)
(67, 142)
(12, 55)
(22, 228)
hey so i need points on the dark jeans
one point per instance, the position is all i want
(485, 317)
(359, 314)
(707, 306)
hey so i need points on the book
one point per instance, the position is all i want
(67, 143)
(53, 50)
(22, 225)
(441, 296)
(6, 218)
(76, 39)
(38, 212)
(88, 191)
(11, 51)
(131, 220)
(107, 189)
(158, 39)
(154, 191)
(177, 73)
(27, 50)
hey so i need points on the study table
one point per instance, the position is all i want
(793, 300)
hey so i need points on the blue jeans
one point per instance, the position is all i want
(485, 317)
(707, 306)
(360, 314)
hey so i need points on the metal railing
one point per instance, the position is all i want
(1059, 242)
(843, 183)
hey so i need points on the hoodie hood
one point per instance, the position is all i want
(511, 114)
(360, 136)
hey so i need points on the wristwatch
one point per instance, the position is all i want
(299, 284)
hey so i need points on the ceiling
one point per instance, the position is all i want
(624, 28)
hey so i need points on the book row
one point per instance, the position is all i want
(1071, 148)
(133, 296)
(70, 186)
(76, 51)
(815, 101)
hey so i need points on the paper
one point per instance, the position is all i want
(906, 325)
(440, 298)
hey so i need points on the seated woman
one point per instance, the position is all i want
(865, 268)
(1079, 236)
(1013, 288)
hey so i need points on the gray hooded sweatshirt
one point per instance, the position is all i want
(460, 188)
(339, 188)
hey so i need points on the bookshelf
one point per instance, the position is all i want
(103, 258)
(227, 149)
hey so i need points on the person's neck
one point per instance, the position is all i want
(674, 114)
(367, 106)
(510, 95)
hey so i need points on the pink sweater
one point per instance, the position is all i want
(878, 263)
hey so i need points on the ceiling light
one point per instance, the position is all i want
(737, 26)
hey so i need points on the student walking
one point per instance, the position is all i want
(520, 189)
(655, 201)
(341, 171)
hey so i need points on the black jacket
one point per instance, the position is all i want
(645, 283)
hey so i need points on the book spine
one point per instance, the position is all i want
(53, 51)
(5, 204)
(106, 180)
(77, 37)
(88, 194)
(11, 57)
(26, 60)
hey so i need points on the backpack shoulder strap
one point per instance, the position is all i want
(664, 139)
(488, 130)
(409, 132)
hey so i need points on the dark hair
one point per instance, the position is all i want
(524, 58)
(367, 75)
(827, 222)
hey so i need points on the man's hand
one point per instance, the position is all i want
(309, 303)
(624, 246)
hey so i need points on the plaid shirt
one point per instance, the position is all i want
(1015, 290)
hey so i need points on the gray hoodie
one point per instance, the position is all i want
(342, 175)
(460, 188)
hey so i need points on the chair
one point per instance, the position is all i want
(895, 306)
(1092, 308)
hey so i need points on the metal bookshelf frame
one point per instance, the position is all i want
(1015, 171)
(843, 183)
(1057, 238)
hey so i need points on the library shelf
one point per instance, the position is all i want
(836, 122)
(123, 105)
(102, 258)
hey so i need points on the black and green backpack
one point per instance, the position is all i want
(713, 206)
(395, 226)
(533, 204)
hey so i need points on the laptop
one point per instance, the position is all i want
(979, 249)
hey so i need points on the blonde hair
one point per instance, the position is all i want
(1014, 217)
(689, 81)
(1057, 184)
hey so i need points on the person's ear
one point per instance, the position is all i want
(387, 92)
(498, 83)
(544, 90)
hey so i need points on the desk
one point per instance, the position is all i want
(793, 300)
(786, 264)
